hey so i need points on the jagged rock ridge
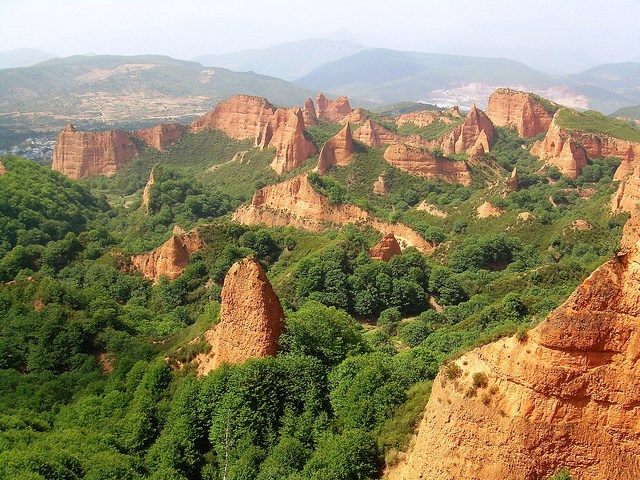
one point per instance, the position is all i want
(294, 202)
(386, 249)
(338, 150)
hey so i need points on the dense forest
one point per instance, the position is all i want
(97, 379)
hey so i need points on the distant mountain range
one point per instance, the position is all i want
(23, 57)
(288, 61)
(389, 76)
(102, 91)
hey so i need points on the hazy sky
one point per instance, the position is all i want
(551, 34)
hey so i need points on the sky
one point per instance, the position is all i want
(553, 35)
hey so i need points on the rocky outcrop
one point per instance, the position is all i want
(85, 154)
(423, 118)
(488, 209)
(559, 149)
(357, 116)
(332, 110)
(419, 161)
(251, 318)
(602, 146)
(161, 136)
(521, 110)
(465, 136)
(375, 135)
(170, 259)
(512, 181)
(244, 117)
(387, 248)
(146, 193)
(285, 132)
(3, 169)
(309, 113)
(295, 203)
(380, 186)
(627, 199)
(241, 117)
(566, 395)
(431, 209)
(338, 150)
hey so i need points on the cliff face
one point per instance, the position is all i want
(161, 136)
(251, 318)
(85, 154)
(476, 126)
(285, 132)
(420, 162)
(386, 248)
(3, 169)
(332, 110)
(380, 186)
(170, 259)
(508, 107)
(627, 199)
(559, 149)
(568, 395)
(338, 150)
(294, 202)
(512, 181)
(239, 117)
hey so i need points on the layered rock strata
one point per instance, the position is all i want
(567, 395)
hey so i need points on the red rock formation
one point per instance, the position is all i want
(423, 118)
(241, 117)
(465, 136)
(380, 186)
(567, 395)
(332, 110)
(508, 107)
(602, 146)
(375, 135)
(251, 318)
(338, 150)
(420, 162)
(560, 150)
(285, 132)
(309, 113)
(84, 154)
(147, 190)
(161, 136)
(357, 116)
(512, 181)
(170, 259)
(627, 199)
(387, 248)
(3, 169)
(294, 202)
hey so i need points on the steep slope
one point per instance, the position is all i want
(567, 395)
(385, 249)
(522, 110)
(295, 203)
(161, 136)
(251, 318)
(476, 130)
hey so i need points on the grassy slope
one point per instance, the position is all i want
(595, 122)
